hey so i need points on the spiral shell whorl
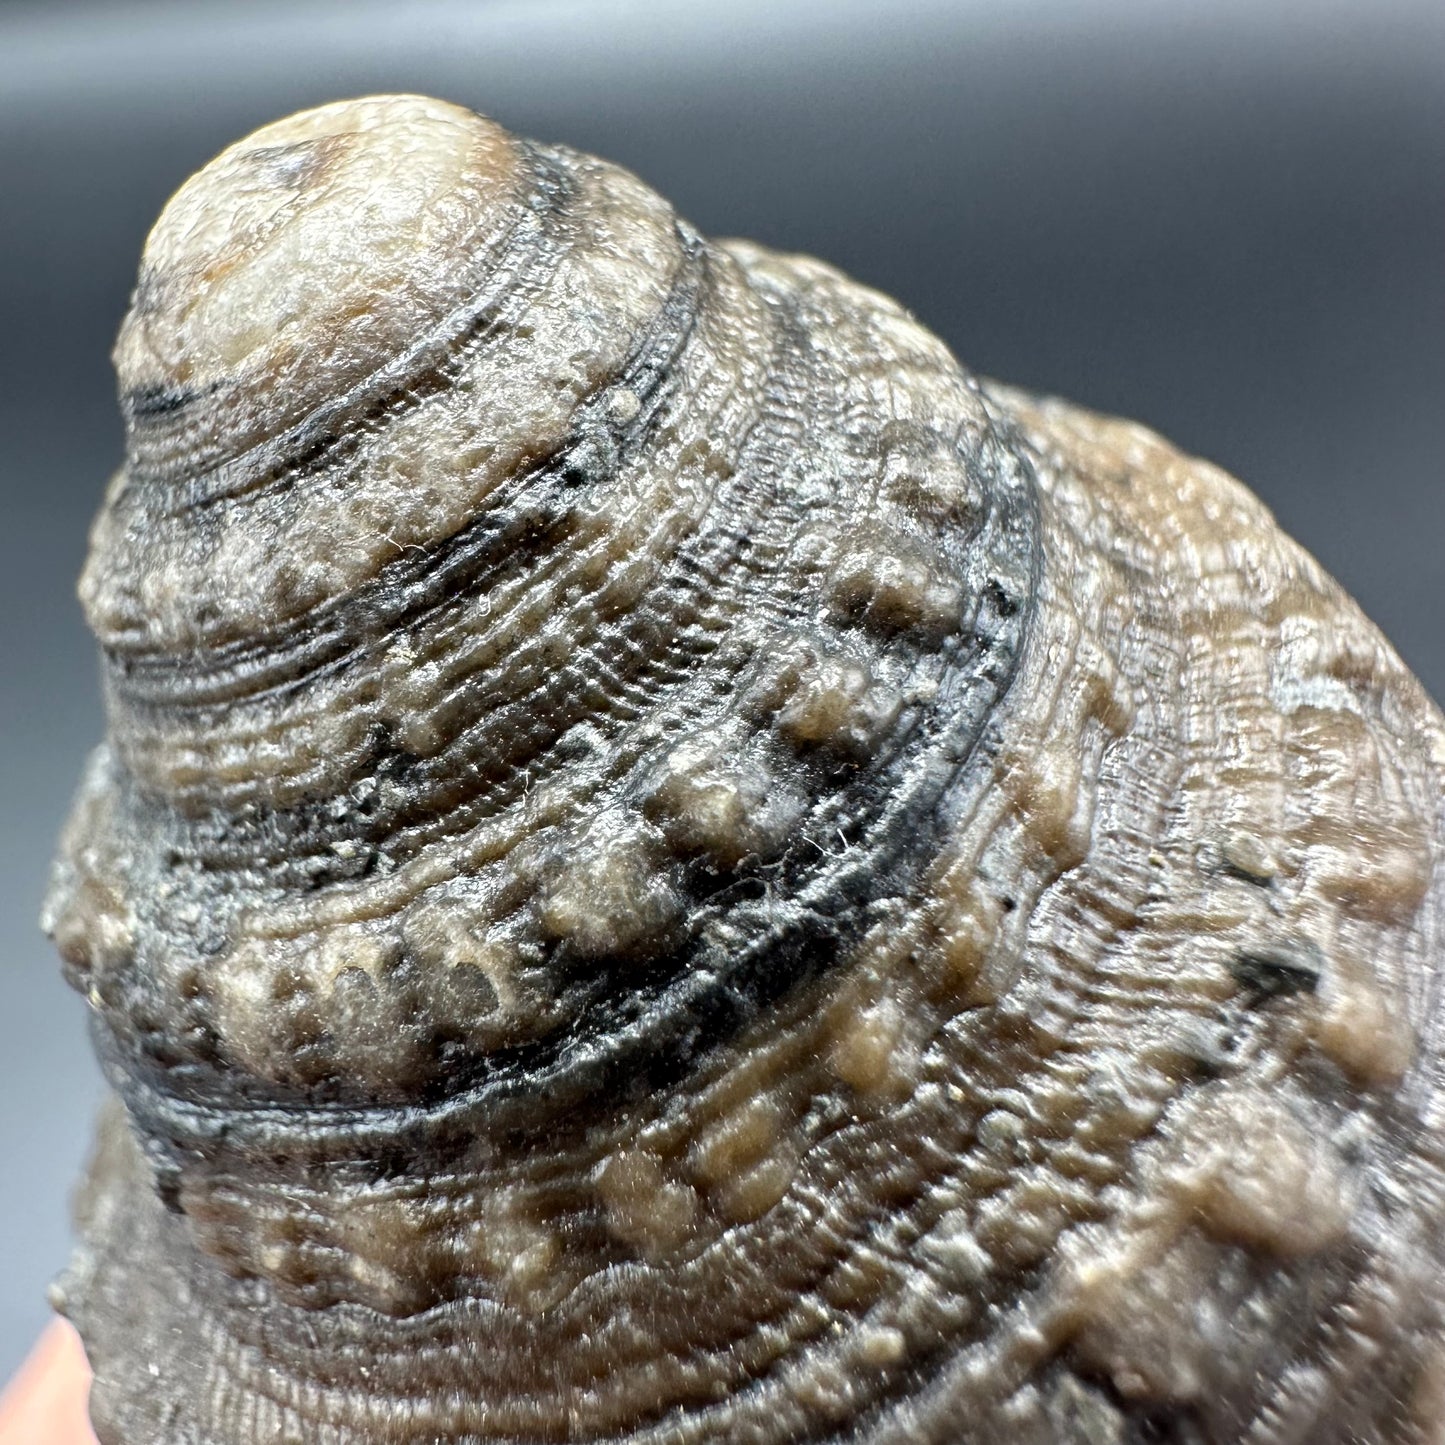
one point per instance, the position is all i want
(662, 867)
(498, 692)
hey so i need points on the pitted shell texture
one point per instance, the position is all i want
(671, 866)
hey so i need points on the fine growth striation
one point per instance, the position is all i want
(671, 866)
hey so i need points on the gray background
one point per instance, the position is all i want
(1227, 220)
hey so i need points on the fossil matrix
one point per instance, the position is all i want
(671, 866)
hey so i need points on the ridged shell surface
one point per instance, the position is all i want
(671, 866)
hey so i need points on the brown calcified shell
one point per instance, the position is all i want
(671, 866)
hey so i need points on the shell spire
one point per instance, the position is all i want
(669, 865)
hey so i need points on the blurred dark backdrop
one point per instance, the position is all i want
(1224, 219)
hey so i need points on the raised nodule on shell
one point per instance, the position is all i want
(669, 865)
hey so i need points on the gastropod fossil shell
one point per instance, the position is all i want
(669, 865)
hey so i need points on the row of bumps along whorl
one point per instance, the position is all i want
(670, 866)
